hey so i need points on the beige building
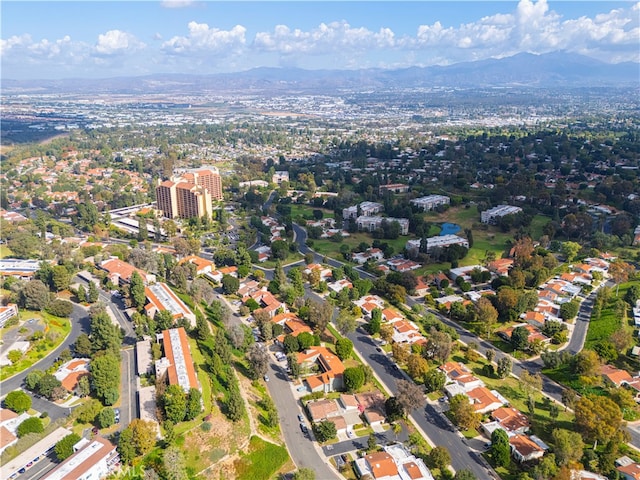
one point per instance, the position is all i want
(189, 195)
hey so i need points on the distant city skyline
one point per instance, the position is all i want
(84, 39)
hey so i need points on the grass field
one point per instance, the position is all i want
(306, 211)
(332, 249)
(5, 251)
(261, 461)
(56, 330)
(609, 321)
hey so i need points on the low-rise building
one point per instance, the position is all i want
(525, 449)
(42, 447)
(331, 369)
(14, 267)
(119, 272)
(160, 298)
(370, 223)
(430, 202)
(7, 312)
(71, 372)
(492, 215)
(92, 460)
(177, 362)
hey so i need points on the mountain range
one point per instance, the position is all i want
(551, 70)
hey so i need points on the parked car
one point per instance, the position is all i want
(303, 428)
(266, 378)
(301, 418)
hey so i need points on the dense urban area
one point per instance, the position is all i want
(361, 286)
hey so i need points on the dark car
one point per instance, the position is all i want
(303, 428)
(300, 418)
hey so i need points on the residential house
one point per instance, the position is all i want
(501, 266)
(402, 265)
(22, 269)
(510, 419)
(331, 369)
(119, 272)
(369, 303)
(339, 285)
(524, 449)
(202, 264)
(268, 303)
(374, 254)
(69, 373)
(371, 405)
(485, 400)
(614, 376)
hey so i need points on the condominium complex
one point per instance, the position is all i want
(177, 362)
(493, 214)
(430, 202)
(441, 241)
(370, 224)
(92, 460)
(189, 194)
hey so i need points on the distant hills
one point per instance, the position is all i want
(524, 70)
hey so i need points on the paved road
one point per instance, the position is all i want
(79, 324)
(437, 427)
(384, 438)
(301, 448)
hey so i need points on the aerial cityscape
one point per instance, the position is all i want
(320, 240)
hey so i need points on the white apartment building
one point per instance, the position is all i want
(430, 202)
(493, 214)
(369, 223)
(92, 460)
(365, 208)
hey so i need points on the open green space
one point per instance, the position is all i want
(332, 249)
(55, 331)
(601, 328)
(261, 461)
(291, 258)
(306, 211)
(5, 251)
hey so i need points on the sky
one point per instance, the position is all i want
(101, 39)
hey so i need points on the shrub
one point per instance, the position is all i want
(60, 308)
(206, 426)
(30, 425)
(18, 401)
(64, 448)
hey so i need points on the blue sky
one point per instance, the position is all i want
(88, 39)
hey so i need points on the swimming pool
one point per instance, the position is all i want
(449, 228)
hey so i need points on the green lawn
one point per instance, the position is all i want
(332, 249)
(291, 258)
(537, 225)
(609, 321)
(56, 330)
(262, 460)
(5, 251)
(306, 211)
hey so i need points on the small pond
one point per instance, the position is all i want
(449, 228)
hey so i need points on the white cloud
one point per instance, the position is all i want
(117, 42)
(201, 38)
(176, 3)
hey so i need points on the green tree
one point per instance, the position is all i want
(234, 405)
(464, 474)
(18, 401)
(64, 448)
(34, 296)
(344, 348)
(394, 409)
(230, 284)
(439, 458)
(570, 250)
(92, 293)
(163, 320)
(136, 291)
(520, 338)
(194, 406)
(30, 425)
(105, 335)
(32, 379)
(434, 380)
(83, 346)
(174, 402)
(88, 411)
(353, 378)
(47, 384)
(106, 417)
(84, 386)
(500, 449)
(258, 360)
(82, 294)
(345, 322)
(60, 277)
(105, 377)
(291, 344)
(569, 310)
(487, 314)
(60, 308)
(14, 356)
(376, 321)
(504, 367)
(597, 418)
(586, 363)
(324, 431)
(567, 446)
(463, 412)
(126, 445)
(144, 435)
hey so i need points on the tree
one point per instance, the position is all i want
(372, 444)
(84, 386)
(346, 322)
(230, 284)
(32, 379)
(520, 338)
(105, 335)
(504, 367)
(319, 315)
(417, 366)
(434, 380)
(393, 408)
(64, 448)
(60, 277)
(344, 348)
(570, 250)
(490, 354)
(126, 445)
(234, 405)
(410, 395)
(105, 377)
(144, 435)
(438, 345)
(569, 310)
(60, 308)
(500, 449)
(174, 464)
(324, 431)
(194, 406)
(18, 401)
(530, 382)
(400, 352)
(47, 384)
(258, 360)
(304, 474)
(620, 272)
(92, 293)
(353, 378)
(174, 402)
(567, 446)
(586, 363)
(439, 458)
(136, 291)
(386, 332)
(106, 417)
(376, 321)
(464, 474)
(163, 320)
(83, 346)
(487, 314)
(30, 425)
(34, 296)
(88, 411)
(597, 418)
(463, 413)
